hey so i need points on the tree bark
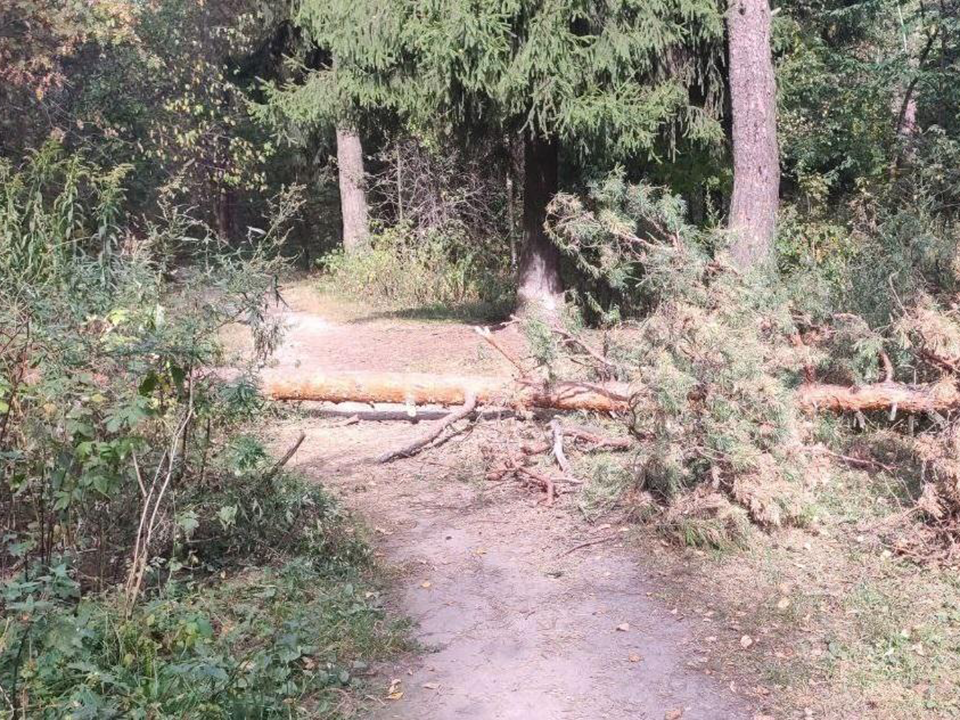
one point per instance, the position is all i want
(353, 194)
(540, 290)
(756, 160)
(413, 389)
(419, 389)
(938, 397)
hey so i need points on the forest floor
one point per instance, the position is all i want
(511, 624)
(516, 620)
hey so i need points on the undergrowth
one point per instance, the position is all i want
(440, 271)
(155, 562)
(281, 633)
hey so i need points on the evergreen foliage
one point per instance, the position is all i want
(610, 77)
(710, 363)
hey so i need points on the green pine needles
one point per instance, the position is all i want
(710, 361)
(612, 78)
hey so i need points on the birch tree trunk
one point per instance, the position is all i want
(540, 289)
(756, 159)
(353, 194)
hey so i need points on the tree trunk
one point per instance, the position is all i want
(511, 220)
(421, 388)
(756, 164)
(936, 397)
(353, 194)
(225, 207)
(412, 389)
(540, 290)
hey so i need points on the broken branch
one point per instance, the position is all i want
(488, 336)
(433, 433)
(556, 430)
(278, 466)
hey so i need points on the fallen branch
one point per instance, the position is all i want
(278, 466)
(556, 430)
(580, 435)
(542, 479)
(588, 543)
(511, 358)
(597, 441)
(433, 433)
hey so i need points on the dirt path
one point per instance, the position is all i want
(513, 625)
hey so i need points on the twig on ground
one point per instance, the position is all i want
(588, 543)
(488, 336)
(854, 460)
(433, 433)
(595, 442)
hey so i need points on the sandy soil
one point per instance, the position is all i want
(514, 622)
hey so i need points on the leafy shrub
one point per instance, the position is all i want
(54, 207)
(272, 643)
(439, 268)
(241, 511)
(109, 392)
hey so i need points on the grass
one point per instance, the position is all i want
(847, 629)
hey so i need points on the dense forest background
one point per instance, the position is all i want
(766, 199)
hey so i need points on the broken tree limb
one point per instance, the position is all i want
(421, 388)
(272, 473)
(511, 358)
(556, 430)
(469, 405)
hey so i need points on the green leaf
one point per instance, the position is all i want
(188, 522)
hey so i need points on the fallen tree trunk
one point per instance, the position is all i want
(414, 389)
(936, 397)
(420, 389)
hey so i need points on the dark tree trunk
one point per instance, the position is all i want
(353, 194)
(540, 289)
(756, 160)
(225, 204)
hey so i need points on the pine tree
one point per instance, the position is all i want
(756, 158)
(610, 78)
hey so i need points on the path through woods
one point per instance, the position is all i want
(512, 625)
